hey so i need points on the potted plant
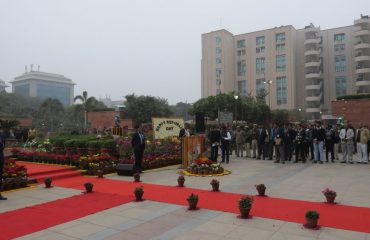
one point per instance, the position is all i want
(137, 177)
(245, 205)
(139, 191)
(89, 187)
(330, 195)
(311, 219)
(47, 182)
(215, 185)
(181, 181)
(193, 201)
(100, 173)
(261, 188)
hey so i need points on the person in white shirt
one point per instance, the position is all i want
(346, 136)
(225, 144)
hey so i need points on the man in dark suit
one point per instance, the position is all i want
(2, 161)
(214, 138)
(184, 132)
(138, 145)
(262, 134)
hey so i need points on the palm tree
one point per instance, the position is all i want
(51, 109)
(88, 103)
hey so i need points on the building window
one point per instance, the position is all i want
(260, 40)
(218, 60)
(260, 49)
(339, 37)
(339, 47)
(218, 82)
(280, 37)
(241, 52)
(23, 90)
(280, 63)
(281, 91)
(51, 91)
(218, 39)
(218, 72)
(340, 63)
(260, 85)
(340, 86)
(241, 67)
(242, 87)
(260, 65)
(218, 50)
(240, 43)
(280, 47)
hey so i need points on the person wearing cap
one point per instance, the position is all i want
(346, 136)
(318, 135)
(362, 148)
(239, 139)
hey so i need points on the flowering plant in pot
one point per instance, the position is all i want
(193, 201)
(100, 173)
(137, 177)
(89, 187)
(215, 185)
(139, 191)
(261, 189)
(329, 194)
(47, 182)
(245, 205)
(311, 219)
(181, 181)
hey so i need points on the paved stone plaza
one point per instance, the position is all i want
(154, 220)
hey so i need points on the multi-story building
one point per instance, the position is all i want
(3, 85)
(44, 85)
(298, 68)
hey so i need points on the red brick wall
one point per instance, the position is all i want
(99, 120)
(354, 111)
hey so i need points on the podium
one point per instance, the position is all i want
(192, 148)
(117, 131)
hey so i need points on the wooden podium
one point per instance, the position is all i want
(192, 148)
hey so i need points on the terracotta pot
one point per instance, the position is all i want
(216, 187)
(180, 183)
(261, 191)
(311, 222)
(88, 189)
(330, 198)
(137, 178)
(48, 183)
(139, 196)
(193, 204)
(244, 212)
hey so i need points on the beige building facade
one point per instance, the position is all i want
(301, 69)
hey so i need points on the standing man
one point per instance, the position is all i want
(346, 136)
(248, 141)
(225, 144)
(336, 141)
(138, 145)
(271, 142)
(299, 144)
(362, 148)
(318, 135)
(184, 132)
(254, 140)
(279, 144)
(214, 138)
(239, 139)
(329, 143)
(2, 161)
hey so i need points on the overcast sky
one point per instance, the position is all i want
(150, 47)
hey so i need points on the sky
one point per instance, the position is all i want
(147, 47)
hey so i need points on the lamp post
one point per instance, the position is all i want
(236, 110)
(268, 82)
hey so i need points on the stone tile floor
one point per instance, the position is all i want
(154, 220)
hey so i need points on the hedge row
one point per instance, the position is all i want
(355, 96)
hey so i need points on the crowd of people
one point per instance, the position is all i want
(291, 142)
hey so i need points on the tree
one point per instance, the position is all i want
(74, 118)
(181, 110)
(142, 108)
(52, 111)
(7, 125)
(88, 103)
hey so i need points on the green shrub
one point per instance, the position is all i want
(94, 144)
(70, 143)
(81, 143)
(110, 144)
(355, 96)
(59, 142)
(312, 215)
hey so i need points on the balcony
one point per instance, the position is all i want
(313, 64)
(362, 21)
(313, 110)
(361, 45)
(362, 58)
(312, 52)
(311, 29)
(313, 98)
(362, 70)
(314, 75)
(312, 86)
(362, 33)
(362, 83)
(312, 41)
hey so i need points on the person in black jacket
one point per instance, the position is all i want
(214, 138)
(318, 135)
(138, 145)
(225, 144)
(329, 143)
(2, 161)
(279, 144)
(300, 144)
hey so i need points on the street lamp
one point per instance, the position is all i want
(268, 82)
(236, 98)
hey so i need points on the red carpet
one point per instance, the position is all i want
(27, 220)
(41, 171)
(335, 216)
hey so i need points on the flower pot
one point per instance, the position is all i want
(215, 187)
(100, 173)
(136, 178)
(311, 222)
(48, 183)
(181, 183)
(261, 191)
(89, 188)
(139, 196)
(192, 204)
(330, 198)
(244, 212)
